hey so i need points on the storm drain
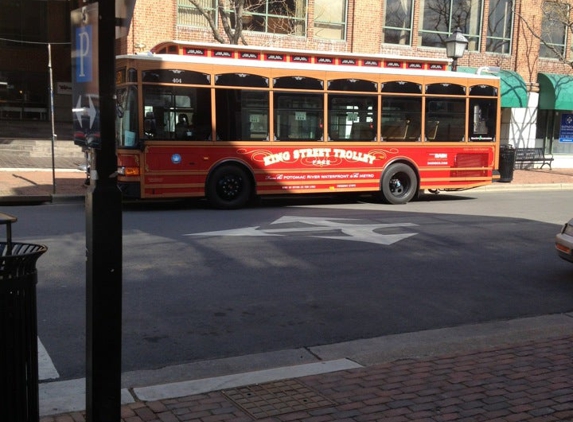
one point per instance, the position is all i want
(276, 398)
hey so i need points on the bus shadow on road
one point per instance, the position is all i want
(287, 201)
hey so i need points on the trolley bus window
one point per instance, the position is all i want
(298, 82)
(402, 87)
(298, 117)
(482, 120)
(351, 117)
(445, 120)
(175, 76)
(354, 85)
(241, 79)
(445, 89)
(401, 118)
(173, 107)
(126, 121)
(242, 115)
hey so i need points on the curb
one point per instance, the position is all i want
(39, 199)
(501, 186)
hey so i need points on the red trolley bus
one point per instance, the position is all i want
(232, 122)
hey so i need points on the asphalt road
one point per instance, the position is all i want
(201, 284)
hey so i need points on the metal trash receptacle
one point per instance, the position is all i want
(18, 327)
(506, 163)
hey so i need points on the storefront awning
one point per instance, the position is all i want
(513, 88)
(555, 91)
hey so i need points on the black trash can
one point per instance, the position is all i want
(18, 328)
(506, 163)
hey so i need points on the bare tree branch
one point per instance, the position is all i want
(556, 24)
(232, 15)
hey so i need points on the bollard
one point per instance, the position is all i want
(18, 327)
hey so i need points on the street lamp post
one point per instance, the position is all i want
(455, 47)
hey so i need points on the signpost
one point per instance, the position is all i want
(93, 75)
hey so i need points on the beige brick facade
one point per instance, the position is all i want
(156, 20)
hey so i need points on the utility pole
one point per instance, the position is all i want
(93, 64)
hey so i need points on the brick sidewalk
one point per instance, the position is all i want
(41, 183)
(532, 381)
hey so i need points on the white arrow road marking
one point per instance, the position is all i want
(351, 229)
(333, 222)
(46, 368)
(246, 231)
(368, 236)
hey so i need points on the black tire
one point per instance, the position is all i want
(399, 184)
(229, 187)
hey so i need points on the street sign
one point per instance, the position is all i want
(566, 132)
(85, 76)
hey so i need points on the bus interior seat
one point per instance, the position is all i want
(149, 125)
(182, 128)
(396, 131)
(432, 129)
(362, 131)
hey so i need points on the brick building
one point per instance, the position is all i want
(527, 39)
(26, 29)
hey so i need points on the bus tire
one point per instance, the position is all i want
(229, 187)
(399, 184)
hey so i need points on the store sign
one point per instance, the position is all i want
(566, 132)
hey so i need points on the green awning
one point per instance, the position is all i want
(555, 91)
(513, 88)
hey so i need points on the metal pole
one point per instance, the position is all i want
(52, 118)
(104, 242)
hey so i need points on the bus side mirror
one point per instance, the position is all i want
(149, 125)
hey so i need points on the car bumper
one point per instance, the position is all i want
(564, 246)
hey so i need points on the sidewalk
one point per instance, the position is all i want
(504, 371)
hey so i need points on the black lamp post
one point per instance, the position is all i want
(456, 46)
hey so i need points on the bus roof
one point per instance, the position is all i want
(254, 64)
(180, 47)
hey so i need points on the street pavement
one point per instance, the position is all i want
(518, 370)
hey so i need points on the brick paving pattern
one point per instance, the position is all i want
(531, 382)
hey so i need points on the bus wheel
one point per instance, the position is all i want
(399, 184)
(229, 187)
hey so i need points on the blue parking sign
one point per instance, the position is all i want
(83, 54)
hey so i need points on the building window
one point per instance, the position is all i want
(499, 26)
(23, 21)
(189, 15)
(554, 29)
(397, 20)
(275, 16)
(440, 17)
(330, 19)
